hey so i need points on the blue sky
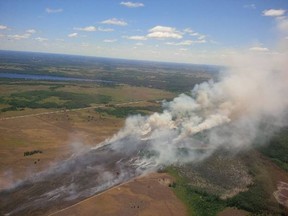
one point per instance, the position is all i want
(193, 31)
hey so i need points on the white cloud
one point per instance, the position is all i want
(19, 37)
(161, 35)
(3, 27)
(139, 44)
(274, 12)
(132, 4)
(85, 44)
(105, 29)
(87, 29)
(282, 24)
(110, 40)
(188, 30)
(54, 10)
(250, 6)
(40, 39)
(73, 35)
(191, 32)
(201, 37)
(200, 41)
(162, 29)
(259, 49)
(194, 34)
(162, 32)
(31, 31)
(186, 43)
(140, 38)
(114, 21)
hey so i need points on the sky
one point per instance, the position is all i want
(190, 31)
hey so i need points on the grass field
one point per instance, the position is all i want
(59, 132)
(18, 96)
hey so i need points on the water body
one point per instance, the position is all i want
(47, 77)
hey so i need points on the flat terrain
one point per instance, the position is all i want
(57, 135)
(148, 195)
(53, 134)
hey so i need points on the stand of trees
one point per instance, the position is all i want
(29, 153)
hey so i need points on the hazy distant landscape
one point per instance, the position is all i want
(169, 76)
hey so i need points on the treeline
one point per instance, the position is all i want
(29, 153)
(123, 112)
(255, 200)
(277, 148)
(34, 99)
(175, 82)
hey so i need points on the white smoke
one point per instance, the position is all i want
(227, 114)
(245, 106)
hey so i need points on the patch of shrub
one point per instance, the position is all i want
(197, 201)
(123, 112)
(32, 99)
(29, 153)
(277, 149)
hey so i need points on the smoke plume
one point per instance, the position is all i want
(247, 103)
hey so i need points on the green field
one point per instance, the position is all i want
(18, 96)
